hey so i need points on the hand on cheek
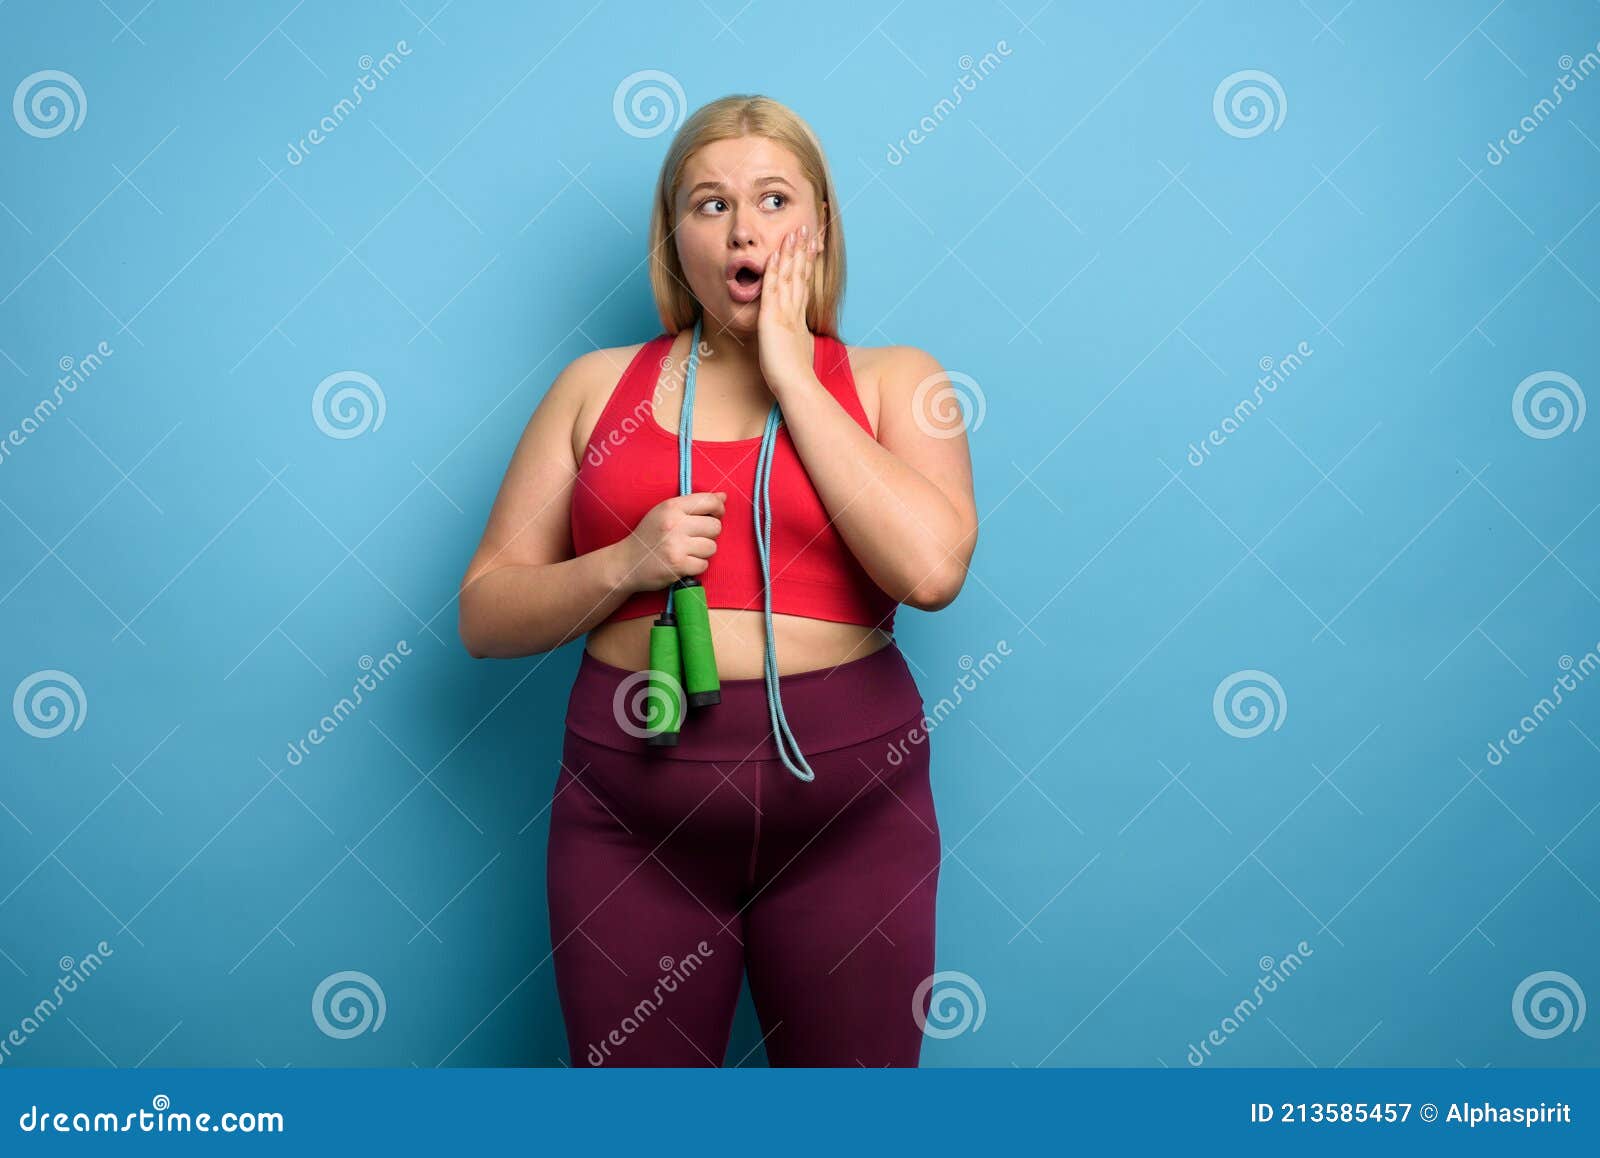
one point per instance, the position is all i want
(786, 342)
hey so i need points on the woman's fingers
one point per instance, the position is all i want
(786, 281)
(802, 267)
(786, 269)
(769, 276)
(813, 246)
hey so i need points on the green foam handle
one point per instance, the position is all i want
(664, 707)
(694, 636)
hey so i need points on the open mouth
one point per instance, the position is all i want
(745, 284)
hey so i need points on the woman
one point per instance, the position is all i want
(673, 869)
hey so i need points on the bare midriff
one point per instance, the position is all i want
(739, 639)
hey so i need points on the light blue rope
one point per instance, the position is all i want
(686, 428)
(762, 508)
(763, 518)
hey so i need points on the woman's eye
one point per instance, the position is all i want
(722, 201)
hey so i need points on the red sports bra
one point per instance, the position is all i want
(631, 463)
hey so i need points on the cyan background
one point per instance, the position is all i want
(1083, 239)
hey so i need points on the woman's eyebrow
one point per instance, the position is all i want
(764, 180)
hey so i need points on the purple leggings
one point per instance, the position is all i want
(673, 870)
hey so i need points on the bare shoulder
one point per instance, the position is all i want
(887, 373)
(586, 384)
(598, 367)
(898, 367)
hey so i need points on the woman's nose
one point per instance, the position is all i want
(742, 229)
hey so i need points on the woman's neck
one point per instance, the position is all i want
(735, 355)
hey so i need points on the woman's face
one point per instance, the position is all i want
(737, 199)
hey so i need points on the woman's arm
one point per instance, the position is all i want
(903, 503)
(520, 609)
(522, 593)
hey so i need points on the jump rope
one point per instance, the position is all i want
(683, 664)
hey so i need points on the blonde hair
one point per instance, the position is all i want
(742, 116)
